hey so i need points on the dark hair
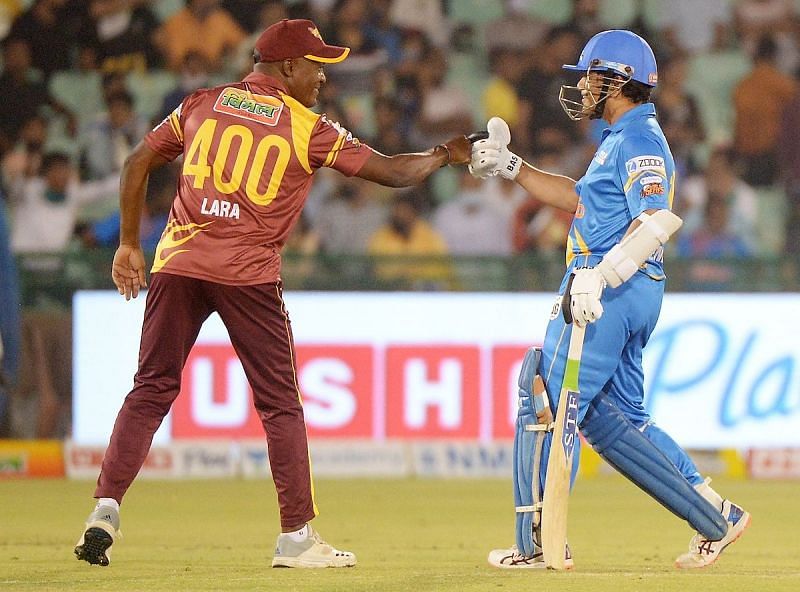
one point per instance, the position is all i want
(637, 92)
(52, 159)
(766, 49)
(120, 96)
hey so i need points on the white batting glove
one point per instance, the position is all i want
(491, 156)
(587, 288)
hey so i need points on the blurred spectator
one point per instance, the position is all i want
(243, 10)
(24, 160)
(354, 76)
(713, 239)
(110, 138)
(504, 197)
(304, 239)
(720, 183)
(501, 98)
(44, 209)
(679, 116)
(421, 15)
(201, 26)
(586, 18)
(194, 75)
(415, 48)
(10, 338)
(349, 217)
(539, 228)
(776, 18)
(80, 89)
(469, 224)
(710, 242)
(42, 26)
(789, 162)
(155, 213)
(540, 86)
(445, 108)
(406, 233)
(516, 29)
(759, 100)
(123, 32)
(269, 13)
(696, 27)
(390, 137)
(381, 31)
(9, 9)
(22, 92)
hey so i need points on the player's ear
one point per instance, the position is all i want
(287, 67)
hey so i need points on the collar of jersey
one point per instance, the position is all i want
(263, 82)
(645, 110)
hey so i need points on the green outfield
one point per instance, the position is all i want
(408, 534)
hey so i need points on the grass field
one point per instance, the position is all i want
(408, 535)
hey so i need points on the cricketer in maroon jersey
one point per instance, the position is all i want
(250, 150)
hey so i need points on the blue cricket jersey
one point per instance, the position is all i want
(632, 171)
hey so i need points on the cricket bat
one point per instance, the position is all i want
(559, 464)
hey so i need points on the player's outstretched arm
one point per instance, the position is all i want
(128, 268)
(403, 170)
(491, 156)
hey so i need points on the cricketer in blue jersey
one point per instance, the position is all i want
(613, 287)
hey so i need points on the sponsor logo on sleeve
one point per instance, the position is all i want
(652, 189)
(600, 157)
(240, 103)
(651, 179)
(348, 136)
(644, 163)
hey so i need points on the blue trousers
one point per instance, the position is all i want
(611, 364)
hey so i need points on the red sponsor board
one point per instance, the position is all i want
(432, 391)
(336, 384)
(415, 391)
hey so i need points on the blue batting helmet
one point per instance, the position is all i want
(622, 52)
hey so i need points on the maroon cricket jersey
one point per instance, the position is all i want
(249, 154)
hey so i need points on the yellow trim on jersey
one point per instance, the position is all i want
(334, 153)
(303, 122)
(299, 396)
(671, 190)
(583, 248)
(654, 171)
(175, 124)
(169, 240)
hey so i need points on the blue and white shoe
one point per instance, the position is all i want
(511, 559)
(703, 552)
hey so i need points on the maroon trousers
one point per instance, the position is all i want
(261, 335)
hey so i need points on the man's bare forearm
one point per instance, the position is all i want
(132, 191)
(403, 170)
(554, 190)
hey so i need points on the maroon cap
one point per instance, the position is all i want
(297, 38)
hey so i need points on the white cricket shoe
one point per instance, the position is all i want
(512, 559)
(703, 552)
(311, 552)
(100, 532)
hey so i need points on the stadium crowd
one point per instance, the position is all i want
(83, 80)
